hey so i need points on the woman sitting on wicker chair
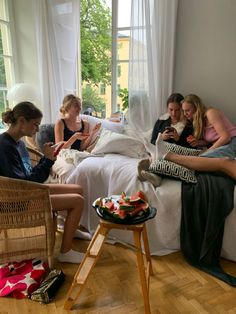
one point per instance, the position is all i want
(24, 120)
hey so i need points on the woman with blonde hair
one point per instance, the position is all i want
(211, 128)
(71, 129)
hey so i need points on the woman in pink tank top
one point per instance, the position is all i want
(211, 128)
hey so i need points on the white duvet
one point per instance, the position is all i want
(112, 174)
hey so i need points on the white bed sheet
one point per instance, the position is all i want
(113, 174)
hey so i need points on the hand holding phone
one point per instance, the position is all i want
(58, 147)
(169, 129)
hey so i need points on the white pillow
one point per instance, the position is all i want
(112, 126)
(111, 142)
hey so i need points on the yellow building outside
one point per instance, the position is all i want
(103, 90)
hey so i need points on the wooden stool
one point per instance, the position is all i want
(93, 252)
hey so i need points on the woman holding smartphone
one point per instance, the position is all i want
(24, 120)
(174, 128)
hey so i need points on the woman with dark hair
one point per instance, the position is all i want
(24, 120)
(174, 128)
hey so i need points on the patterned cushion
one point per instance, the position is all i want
(170, 169)
(180, 150)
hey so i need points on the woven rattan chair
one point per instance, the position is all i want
(26, 221)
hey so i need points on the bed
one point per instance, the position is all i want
(110, 174)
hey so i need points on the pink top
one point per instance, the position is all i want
(210, 135)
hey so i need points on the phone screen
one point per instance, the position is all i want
(57, 150)
(169, 129)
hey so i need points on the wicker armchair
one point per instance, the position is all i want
(26, 221)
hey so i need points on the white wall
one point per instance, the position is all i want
(205, 61)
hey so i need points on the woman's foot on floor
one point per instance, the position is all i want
(83, 235)
(71, 257)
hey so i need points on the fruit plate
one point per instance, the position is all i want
(128, 220)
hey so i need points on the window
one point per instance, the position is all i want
(119, 70)
(102, 89)
(120, 57)
(105, 49)
(6, 54)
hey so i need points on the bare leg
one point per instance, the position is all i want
(69, 189)
(205, 164)
(66, 197)
(65, 188)
(73, 203)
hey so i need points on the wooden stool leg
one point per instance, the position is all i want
(141, 268)
(86, 266)
(147, 250)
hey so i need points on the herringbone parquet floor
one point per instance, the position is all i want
(113, 287)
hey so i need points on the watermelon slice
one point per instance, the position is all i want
(137, 197)
(125, 206)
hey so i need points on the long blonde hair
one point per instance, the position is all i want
(198, 116)
(68, 101)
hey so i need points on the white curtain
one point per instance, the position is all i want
(152, 43)
(57, 32)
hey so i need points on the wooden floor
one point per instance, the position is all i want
(113, 287)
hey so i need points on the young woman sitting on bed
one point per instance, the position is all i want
(213, 126)
(174, 128)
(71, 129)
(74, 132)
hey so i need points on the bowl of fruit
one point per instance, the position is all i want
(124, 209)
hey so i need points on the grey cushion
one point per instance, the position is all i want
(45, 134)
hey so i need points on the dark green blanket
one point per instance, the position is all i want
(205, 205)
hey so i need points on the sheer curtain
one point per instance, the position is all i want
(152, 43)
(57, 33)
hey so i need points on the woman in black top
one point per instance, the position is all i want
(71, 128)
(174, 127)
(24, 120)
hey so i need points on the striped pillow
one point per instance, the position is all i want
(180, 150)
(171, 169)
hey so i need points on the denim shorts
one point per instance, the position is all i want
(228, 150)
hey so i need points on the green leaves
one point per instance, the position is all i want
(95, 21)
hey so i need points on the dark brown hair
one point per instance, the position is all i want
(175, 97)
(24, 109)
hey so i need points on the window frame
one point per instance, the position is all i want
(115, 58)
(12, 55)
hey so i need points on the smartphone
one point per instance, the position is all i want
(58, 147)
(169, 129)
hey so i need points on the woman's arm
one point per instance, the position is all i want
(214, 118)
(59, 131)
(59, 135)
(88, 140)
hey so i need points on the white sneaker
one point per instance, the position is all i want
(84, 235)
(71, 257)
